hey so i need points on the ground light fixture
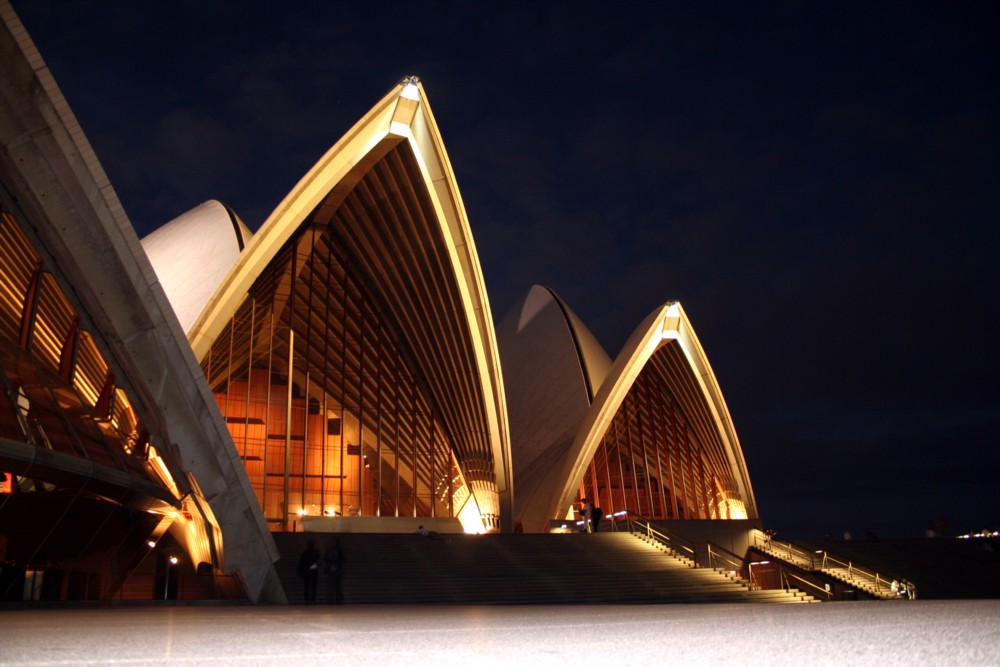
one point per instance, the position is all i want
(171, 560)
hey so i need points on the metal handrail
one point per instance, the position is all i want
(818, 560)
(634, 523)
(786, 575)
(719, 557)
(717, 554)
(855, 572)
(785, 550)
(679, 546)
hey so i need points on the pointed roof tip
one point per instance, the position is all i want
(411, 88)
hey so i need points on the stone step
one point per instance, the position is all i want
(511, 569)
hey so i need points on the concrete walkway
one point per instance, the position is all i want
(845, 633)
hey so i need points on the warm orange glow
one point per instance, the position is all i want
(471, 520)
(732, 508)
(63, 395)
(318, 426)
(667, 448)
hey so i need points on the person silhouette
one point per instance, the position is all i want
(334, 561)
(308, 569)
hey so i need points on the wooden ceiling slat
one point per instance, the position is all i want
(385, 227)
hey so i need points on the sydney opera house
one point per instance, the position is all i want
(338, 369)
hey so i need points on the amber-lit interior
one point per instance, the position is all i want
(325, 401)
(59, 393)
(661, 457)
(83, 484)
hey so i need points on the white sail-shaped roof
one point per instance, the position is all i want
(192, 254)
(552, 367)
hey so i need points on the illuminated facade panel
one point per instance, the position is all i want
(72, 447)
(354, 432)
(59, 393)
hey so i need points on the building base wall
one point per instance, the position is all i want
(374, 524)
(734, 535)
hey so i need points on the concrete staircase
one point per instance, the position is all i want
(845, 575)
(575, 568)
(812, 561)
(942, 568)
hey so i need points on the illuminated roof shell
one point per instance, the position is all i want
(454, 336)
(666, 329)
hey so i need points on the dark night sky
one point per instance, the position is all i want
(817, 185)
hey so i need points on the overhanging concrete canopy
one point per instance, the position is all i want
(109, 281)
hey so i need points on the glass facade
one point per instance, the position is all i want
(661, 457)
(324, 399)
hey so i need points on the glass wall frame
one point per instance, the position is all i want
(324, 400)
(657, 460)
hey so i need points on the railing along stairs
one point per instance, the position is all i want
(675, 545)
(711, 555)
(823, 561)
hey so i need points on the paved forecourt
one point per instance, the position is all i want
(855, 633)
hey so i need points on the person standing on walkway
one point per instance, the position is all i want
(308, 569)
(334, 560)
